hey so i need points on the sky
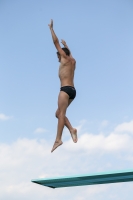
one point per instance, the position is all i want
(100, 37)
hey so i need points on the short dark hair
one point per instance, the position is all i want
(66, 51)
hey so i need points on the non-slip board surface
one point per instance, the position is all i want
(87, 179)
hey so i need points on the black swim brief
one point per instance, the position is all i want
(70, 91)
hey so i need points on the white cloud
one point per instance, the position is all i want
(111, 143)
(27, 159)
(125, 127)
(40, 130)
(5, 117)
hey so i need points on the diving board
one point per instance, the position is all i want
(87, 179)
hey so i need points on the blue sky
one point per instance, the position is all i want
(100, 36)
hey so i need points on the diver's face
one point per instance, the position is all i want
(59, 57)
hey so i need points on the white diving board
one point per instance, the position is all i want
(87, 179)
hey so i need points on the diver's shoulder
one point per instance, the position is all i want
(73, 60)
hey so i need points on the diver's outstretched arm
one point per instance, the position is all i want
(55, 40)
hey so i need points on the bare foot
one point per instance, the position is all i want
(56, 144)
(74, 135)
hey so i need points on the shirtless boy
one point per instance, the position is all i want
(67, 90)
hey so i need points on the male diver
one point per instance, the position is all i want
(67, 91)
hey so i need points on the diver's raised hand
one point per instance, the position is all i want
(51, 24)
(63, 42)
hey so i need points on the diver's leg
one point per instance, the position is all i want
(62, 106)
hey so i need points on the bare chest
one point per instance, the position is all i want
(66, 70)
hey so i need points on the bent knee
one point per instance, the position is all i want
(61, 115)
(57, 114)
